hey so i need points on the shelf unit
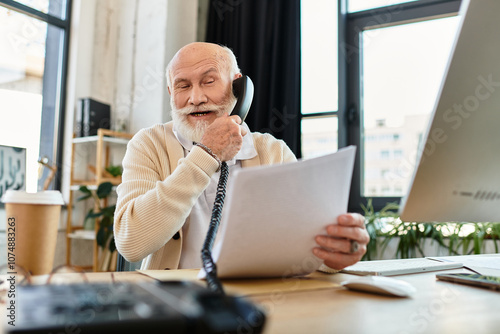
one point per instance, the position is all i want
(104, 143)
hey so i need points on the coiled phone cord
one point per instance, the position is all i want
(213, 281)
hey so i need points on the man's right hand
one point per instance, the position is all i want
(224, 137)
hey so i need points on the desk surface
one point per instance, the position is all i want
(438, 307)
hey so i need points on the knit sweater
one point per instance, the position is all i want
(160, 187)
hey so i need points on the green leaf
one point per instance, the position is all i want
(84, 197)
(112, 245)
(86, 191)
(114, 170)
(92, 214)
(101, 237)
(106, 221)
(108, 211)
(104, 189)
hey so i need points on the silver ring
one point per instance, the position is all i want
(354, 246)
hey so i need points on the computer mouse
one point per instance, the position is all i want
(380, 285)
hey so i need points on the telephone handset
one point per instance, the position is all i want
(243, 91)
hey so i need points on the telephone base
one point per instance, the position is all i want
(126, 307)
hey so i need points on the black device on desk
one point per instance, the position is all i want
(146, 307)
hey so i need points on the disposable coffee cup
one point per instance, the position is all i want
(31, 231)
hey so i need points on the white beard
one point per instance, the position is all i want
(189, 132)
(196, 132)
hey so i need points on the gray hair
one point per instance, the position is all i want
(228, 59)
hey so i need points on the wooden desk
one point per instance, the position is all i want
(438, 307)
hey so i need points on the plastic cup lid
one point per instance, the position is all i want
(48, 197)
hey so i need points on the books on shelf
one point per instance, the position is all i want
(90, 116)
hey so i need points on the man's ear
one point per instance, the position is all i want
(169, 92)
(237, 75)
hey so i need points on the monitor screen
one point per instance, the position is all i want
(457, 177)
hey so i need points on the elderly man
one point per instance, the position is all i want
(171, 170)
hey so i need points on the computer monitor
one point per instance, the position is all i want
(457, 176)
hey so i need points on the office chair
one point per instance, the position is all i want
(124, 265)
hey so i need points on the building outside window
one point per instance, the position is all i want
(390, 62)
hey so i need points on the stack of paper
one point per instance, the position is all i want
(272, 215)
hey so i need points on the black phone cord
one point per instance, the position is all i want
(213, 281)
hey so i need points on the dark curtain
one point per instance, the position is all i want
(265, 37)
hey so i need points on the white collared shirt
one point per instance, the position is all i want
(196, 226)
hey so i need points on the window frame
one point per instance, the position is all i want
(52, 123)
(329, 113)
(350, 99)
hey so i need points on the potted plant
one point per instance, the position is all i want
(457, 237)
(105, 214)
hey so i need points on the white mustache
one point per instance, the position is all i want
(219, 109)
(191, 109)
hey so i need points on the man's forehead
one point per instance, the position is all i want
(198, 57)
(197, 67)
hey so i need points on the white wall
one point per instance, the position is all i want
(118, 53)
(133, 40)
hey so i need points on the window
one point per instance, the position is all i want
(402, 68)
(359, 5)
(319, 77)
(377, 90)
(34, 38)
(395, 53)
(319, 136)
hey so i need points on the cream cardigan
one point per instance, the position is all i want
(159, 188)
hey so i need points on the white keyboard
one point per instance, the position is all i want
(399, 267)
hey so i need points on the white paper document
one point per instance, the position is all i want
(272, 214)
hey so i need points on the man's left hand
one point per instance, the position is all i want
(338, 247)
